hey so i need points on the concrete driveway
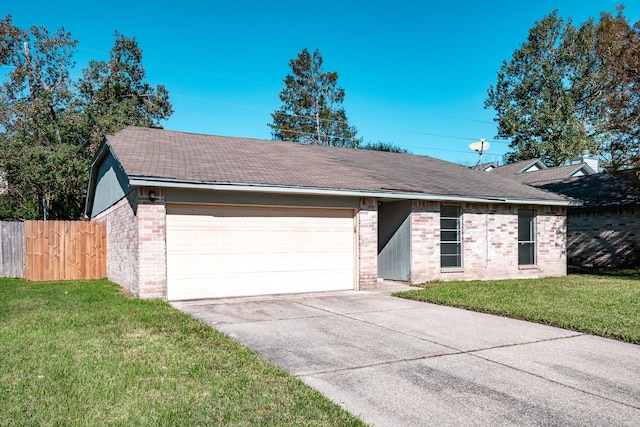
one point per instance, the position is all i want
(396, 362)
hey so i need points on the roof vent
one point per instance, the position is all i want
(156, 126)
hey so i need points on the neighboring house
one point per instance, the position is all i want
(534, 172)
(197, 216)
(485, 167)
(605, 230)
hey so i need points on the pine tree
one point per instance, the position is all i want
(311, 112)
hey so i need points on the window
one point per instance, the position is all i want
(450, 237)
(526, 237)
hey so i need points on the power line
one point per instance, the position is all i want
(195, 70)
(234, 78)
(213, 101)
(313, 134)
(457, 118)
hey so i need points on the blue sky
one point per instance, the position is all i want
(416, 73)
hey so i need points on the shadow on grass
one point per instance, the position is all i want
(592, 271)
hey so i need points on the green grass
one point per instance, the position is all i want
(83, 353)
(607, 305)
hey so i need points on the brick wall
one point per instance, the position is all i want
(136, 251)
(122, 242)
(367, 244)
(489, 243)
(552, 241)
(152, 248)
(136, 243)
(608, 238)
(425, 235)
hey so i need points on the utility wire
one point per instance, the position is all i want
(313, 134)
(222, 76)
(213, 101)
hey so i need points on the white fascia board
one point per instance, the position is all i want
(152, 182)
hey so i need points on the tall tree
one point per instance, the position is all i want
(51, 125)
(311, 112)
(114, 94)
(544, 96)
(41, 154)
(618, 50)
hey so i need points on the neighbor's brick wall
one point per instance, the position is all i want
(489, 243)
(367, 244)
(608, 238)
(122, 242)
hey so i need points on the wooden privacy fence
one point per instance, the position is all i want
(65, 250)
(11, 249)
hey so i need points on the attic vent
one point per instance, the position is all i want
(156, 126)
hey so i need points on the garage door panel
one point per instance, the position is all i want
(225, 265)
(245, 284)
(215, 251)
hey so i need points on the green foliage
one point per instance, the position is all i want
(570, 88)
(311, 112)
(541, 96)
(114, 94)
(82, 353)
(51, 125)
(40, 155)
(382, 146)
(618, 50)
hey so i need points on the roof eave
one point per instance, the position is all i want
(145, 181)
(534, 162)
(585, 167)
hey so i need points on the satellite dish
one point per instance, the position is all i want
(479, 147)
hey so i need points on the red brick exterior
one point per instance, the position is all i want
(136, 243)
(367, 244)
(152, 250)
(122, 242)
(425, 232)
(489, 243)
(136, 251)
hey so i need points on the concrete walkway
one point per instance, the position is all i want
(396, 362)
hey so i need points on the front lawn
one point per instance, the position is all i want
(83, 353)
(605, 304)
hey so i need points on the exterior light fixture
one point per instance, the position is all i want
(152, 196)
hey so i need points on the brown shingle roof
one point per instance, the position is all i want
(184, 157)
(516, 168)
(539, 176)
(551, 174)
(601, 190)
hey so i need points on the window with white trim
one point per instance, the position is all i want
(450, 237)
(526, 237)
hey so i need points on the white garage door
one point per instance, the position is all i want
(220, 251)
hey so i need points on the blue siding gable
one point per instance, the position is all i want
(112, 184)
